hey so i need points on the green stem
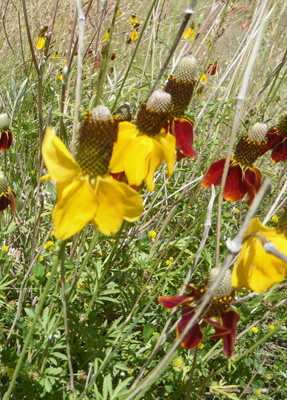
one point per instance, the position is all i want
(35, 319)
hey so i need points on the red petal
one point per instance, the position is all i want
(234, 189)
(194, 335)
(219, 329)
(182, 128)
(173, 301)
(230, 320)
(253, 181)
(272, 140)
(214, 174)
(192, 288)
(10, 139)
(3, 140)
(279, 153)
(211, 69)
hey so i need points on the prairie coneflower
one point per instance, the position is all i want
(6, 136)
(277, 141)
(142, 147)
(242, 177)
(219, 309)
(85, 192)
(7, 196)
(180, 86)
(255, 268)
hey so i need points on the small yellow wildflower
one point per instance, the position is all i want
(274, 219)
(271, 327)
(10, 372)
(133, 20)
(203, 79)
(49, 245)
(177, 363)
(40, 43)
(41, 258)
(168, 262)
(130, 371)
(55, 56)
(4, 249)
(257, 392)
(27, 121)
(236, 211)
(60, 77)
(134, 36)
(254, 330)
(152, 234)
(189, 34)
(201, 346)
(220, 244)
(106, 37)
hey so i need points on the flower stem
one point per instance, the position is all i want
(35, 319)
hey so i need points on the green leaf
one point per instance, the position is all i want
(149, 329)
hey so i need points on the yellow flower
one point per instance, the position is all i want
(60, 77)
(4, 249)
(236, 211)
(271, 327)
(257, 392)
(85, 193)
(254, 330)
(177, 363)
(201, 346)
(52, 234)
(55, 56)
(106, 37)
(152, 234)
(203, 79)
(40, 43)
(255, 269)
(134, 36)
(142, 148)
(133, 20)
(49, 246)
(168, 262)
(41, 258)
(274, 219)
(189, 34)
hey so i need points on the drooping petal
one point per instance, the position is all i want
(194, 335)
(127, 132)
(174, 301)
(279, 153)
(182, 128)
(273, 138)
(77, 207)
(116, 201)
(61, 165)
(167, 143)
(253, 181)
(214, 174)
(255, 269)
(234, 189)
(3, 140)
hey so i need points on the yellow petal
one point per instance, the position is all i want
(61, 165)
(77, 206)
(40, 43)
(168, 143)
(45, 178)
(126, 134)
(116, 202)
(256, 269)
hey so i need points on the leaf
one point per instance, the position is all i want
(148, 331)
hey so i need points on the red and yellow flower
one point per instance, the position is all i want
(180, 86)
(217, 314)
(6, 136)
(277, 141)
(242, 177)
(7, 196)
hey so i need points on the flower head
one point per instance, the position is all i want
(254, 330)
(49, 246)
(255, 268)
(242, 177)
(7, 196)
(218, 309)
(188, 34)
(85, 192)
(6, 136)
(277, 141)
(142, 147)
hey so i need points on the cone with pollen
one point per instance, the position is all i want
(7, 196)
(6, 136)
(277, 141)
(85, 192)
(242, 177)
(124, 113)
(154, 113)
(218, 309)
(180, 85)
(97, 136)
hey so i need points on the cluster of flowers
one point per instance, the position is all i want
(7, 196)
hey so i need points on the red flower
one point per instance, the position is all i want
(212, 68)
(277, 142)
(182, 129)
(228, 319)
(6, 136)
(7, 196)
(242, 177)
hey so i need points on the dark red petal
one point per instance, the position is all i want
(11, 199)
(182, 128)
(4, 202)
(214, 174)
(230, 320)
(3, 140)
(272, 140)
(10, 139)
(253, 181)
(191, 288)
(279, 153)
(211, 69)
(234, 189)
(173, 301)
(194, 335)
(219, 329)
